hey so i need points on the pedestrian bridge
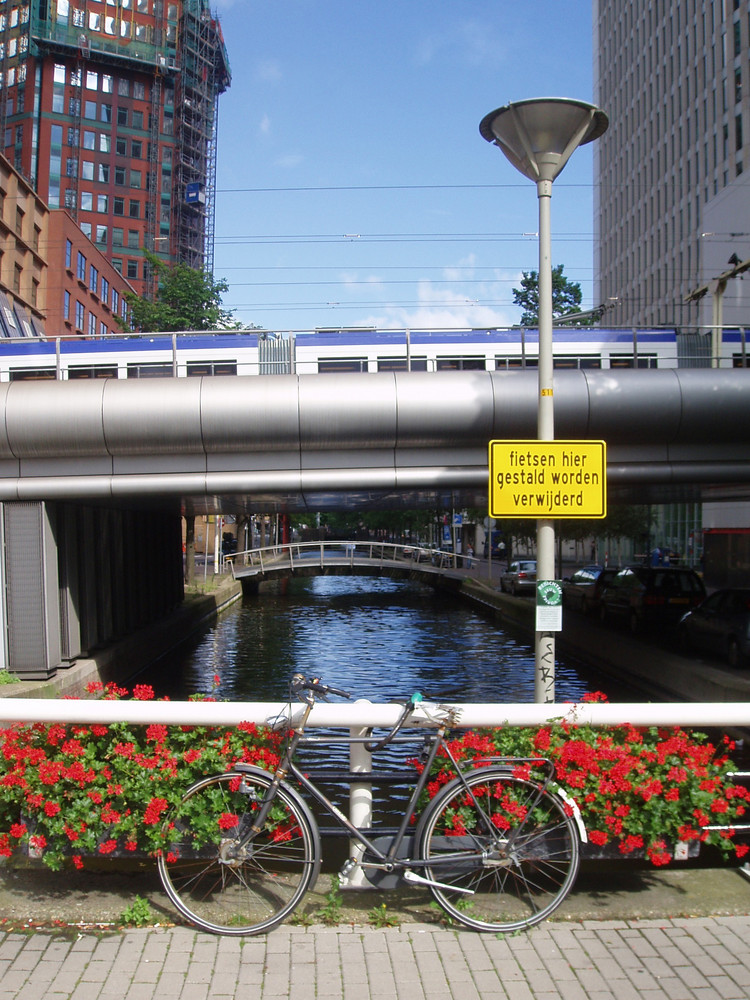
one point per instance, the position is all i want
(349, 558)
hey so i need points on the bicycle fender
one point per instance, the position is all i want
(299, 802)
(571, 802)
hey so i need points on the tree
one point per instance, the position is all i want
(566, 296)
(186, 299)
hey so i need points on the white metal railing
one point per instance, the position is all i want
(366, 714)
(292, 554)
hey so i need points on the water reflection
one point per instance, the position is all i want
(377, 637)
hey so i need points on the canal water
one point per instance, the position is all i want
(376, 637)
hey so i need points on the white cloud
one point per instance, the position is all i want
(440, 309)
(469, 42)
(289, 161)
(269, 71)
(265, 125)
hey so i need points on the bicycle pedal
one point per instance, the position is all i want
(410, 876)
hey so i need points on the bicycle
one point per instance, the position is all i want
(498, 846)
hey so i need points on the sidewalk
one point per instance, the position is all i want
(705, 958)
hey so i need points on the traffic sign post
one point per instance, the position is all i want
(548, 479)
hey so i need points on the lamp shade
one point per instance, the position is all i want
(539, 135)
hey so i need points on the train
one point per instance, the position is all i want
(259, 352)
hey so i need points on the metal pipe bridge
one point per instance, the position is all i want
(318, 442)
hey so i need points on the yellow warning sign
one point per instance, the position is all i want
(548, 479)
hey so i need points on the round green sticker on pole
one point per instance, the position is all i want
(548, 606)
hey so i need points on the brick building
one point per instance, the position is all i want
(108, 111)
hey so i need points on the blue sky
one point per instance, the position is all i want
(353, 187)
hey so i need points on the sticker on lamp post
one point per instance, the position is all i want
(548, 606)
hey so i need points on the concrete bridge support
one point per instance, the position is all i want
(76, 577)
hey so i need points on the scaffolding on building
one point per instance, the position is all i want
(203, 76)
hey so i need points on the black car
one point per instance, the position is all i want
(583, 590)
(720, 626)
(649, 595)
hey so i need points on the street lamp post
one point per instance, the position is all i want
(538, 137)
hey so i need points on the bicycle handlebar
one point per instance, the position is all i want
(301, 683)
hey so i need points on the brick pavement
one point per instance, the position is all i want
(703, 958)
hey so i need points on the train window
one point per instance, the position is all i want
(29, 374)
(516, 362)
(198, 368)
(628, 361)
(92, 371)
(584, 362)
(739, 361)
(153, 370)
(461, 364)
(400, 365)
(342, 365)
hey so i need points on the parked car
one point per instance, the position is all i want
(720, 626)
(520, 577)
(647, 595)
(583, 590)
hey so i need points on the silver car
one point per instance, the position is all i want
(520, 577)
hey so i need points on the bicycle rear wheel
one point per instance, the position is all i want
(505, 851)
(225, 888)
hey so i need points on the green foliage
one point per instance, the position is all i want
(639, 790)
(138, 914)
(566, 296)
(380, 917)
(71, 791)
(330, 913)
(7, 678)
(186, 299)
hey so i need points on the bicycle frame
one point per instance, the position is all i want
(390, 859)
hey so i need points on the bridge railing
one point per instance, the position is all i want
(361, 716)
(321, 553)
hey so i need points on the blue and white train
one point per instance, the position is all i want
(257, 352)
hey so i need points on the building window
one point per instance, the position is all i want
(105, 113)
(138, 119)
(80, 316)
(87, 201)
(104, 173)
(118, 236)
(81, 267)
(121, 147)
(136, 149)
(102, 203)
(134, 209)
(133, 239)
(68, 254)
(66, 305)
(135, 178)
(118, 206)
(105, 289)
(122, 116)
(132, 269)
(93, 279)
(120, 176)
(101, 234)
(89, 140)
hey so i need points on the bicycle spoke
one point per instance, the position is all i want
(221, 884)
(529, 845)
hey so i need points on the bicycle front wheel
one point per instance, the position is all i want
(223, 886)
(503, 850)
